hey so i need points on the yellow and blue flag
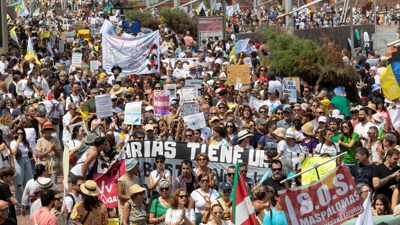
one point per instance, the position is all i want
(108, 8)
(390, 81)
(18, 5)
(13, 34)
(30, 52)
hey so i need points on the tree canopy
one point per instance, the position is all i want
(178, 21)
(146, 19)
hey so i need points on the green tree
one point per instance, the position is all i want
(178, 21)
(146, 19)
(315, 64)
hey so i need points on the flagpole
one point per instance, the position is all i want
(312, 168)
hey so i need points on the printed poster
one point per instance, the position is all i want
(133, 112)
(161, 103)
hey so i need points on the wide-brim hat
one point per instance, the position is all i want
(136, 188)
(116, 67)
(90, 188)
(280, 132)
(45, 183)
(378, 117)
(116, 89)
(308, 129)
(371, 106)
(243, 134)
(47, 125)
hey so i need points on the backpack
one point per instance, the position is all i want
(54, 114)
(77, 154)
(73, 203)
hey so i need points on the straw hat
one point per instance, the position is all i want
(136, 189)
(44, 183)
(371, 106)
(90, 188)
(308, 129)
(378, 117)
(47, 125)
(116, 90)
(280, 132)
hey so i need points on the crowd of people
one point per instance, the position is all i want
(44, 97)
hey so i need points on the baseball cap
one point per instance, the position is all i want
(149, 108)
(225, 186)
(149, 127)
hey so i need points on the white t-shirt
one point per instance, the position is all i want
(282, 146)
(362, 129)
(272, 105)
(154, 174)
(24, 149)
(69, 204)
(31, 138)
(173, 215)
(199, 202)
(331, 150)
(74, 143)
(75, 99)
(66, 133)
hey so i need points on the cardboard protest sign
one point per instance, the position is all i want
(311, 176)
(236, 72)
(195, 121)
(289, 89)
(133, 112)
(76, 60)
(189, 95)
(103, 106)
(331, 200)
(189, 109)
(193, 83)
(161, 102)
(172, 90)
(94, 65)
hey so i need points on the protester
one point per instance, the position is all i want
(72, 198)
(276, 214)
(6, 176)
(134, 209)
(179, 213)
(160, 205)
(44, 215)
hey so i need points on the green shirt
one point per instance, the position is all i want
(336, 137)
(350, 156)
(342, 104)
(157, 208)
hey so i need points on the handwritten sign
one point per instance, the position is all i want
(133, 111)
(189, 109)
(94, 65)
(195, 121)
(311, 176)
(172, 90)
(193, 84)
(289, 88)
(76, 60)
(189, 95)
(61, 44)
(103, 106)
(161, 102)
(236, 72)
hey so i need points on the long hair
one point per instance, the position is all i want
(351, 129)
(39, 170)
(251, 112)
(75, 131)
(322, 135)
(175, 198)
(24, 140)
(90, 202)
(385, 202)
(6, 119)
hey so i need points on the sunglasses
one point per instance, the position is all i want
(58, 199)
(202, 159)
(213, 113)
(243, 171)
(345, 127)
(279, 113)
(221, 107)
(189, 135)
(276, 169)
(230, 126)
(183, 196)
(164, 189)
(227, 191)
(263, 112)
(206, 98)
(230, 174)
(204, 181)
(159, 161)
(5, 209)
(140, 138)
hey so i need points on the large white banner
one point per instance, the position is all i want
(135, 55)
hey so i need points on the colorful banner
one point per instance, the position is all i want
(133, 112)
(161, 103)
(332, 200)
(311, 176)
(135, 55)
(107, 185)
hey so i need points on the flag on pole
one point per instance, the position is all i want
(13, 35)
(243, 210)
(390, 81)
(108, 8)
(18, 5)
(36, 12)
(229, 10)
(236, 8)
(107, 28)
(201, 6)
(218, 6)
(24, 11)
(30, 52)
(241, 45)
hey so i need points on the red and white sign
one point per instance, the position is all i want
(331, 200)
(107, 184)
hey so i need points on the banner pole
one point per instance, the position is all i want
(315, 167)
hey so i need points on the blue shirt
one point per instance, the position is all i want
(282, 123)
(278, 218)
(267, 142)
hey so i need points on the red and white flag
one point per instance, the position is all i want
(243, 210)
